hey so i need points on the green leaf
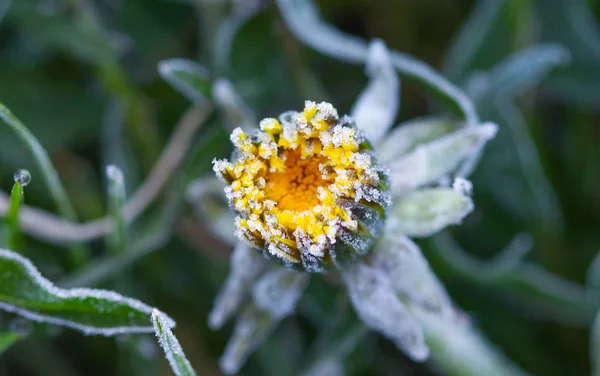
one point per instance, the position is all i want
(173, 351)
(425, 212)
(189, 78)
(7, 339)
(24, 291)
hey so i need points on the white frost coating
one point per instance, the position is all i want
(231, 103)
(173, 351)
(168, 70)
(435, 160)
(377, 304)
(462, 350)
(463, 187)
(377, 106)
(115, 175)
(246, 265)
(424, 212)
(79, 293)
(409, 134)
(402, 262)
(278, 291)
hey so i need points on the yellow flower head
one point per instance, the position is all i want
(306, 188)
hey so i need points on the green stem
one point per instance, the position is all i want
(12, 218)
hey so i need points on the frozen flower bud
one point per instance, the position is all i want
(306, 188)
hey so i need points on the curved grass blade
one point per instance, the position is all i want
(189, 78)
(173, 351)
(24, 291)
(40, 155)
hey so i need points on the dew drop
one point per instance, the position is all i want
(22, 177)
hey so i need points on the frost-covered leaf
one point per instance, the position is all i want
(458, 349)
(407, 136)
(377, 304)
(278, 291)
(304, 20)
(207, 198)
(237, 113)
(189, 78)
(377, 106)
(173, 351)
(25, 292)
(519, 72)
(274, 296)
(436, 160)
(245, 266)
(424, 212)
(402, 262)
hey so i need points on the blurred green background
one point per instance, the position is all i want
(82, 75)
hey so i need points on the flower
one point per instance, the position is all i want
(310, 189)
(306, 188)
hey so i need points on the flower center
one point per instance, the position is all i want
(297, 183)
(295, 188)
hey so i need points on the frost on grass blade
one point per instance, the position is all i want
(424, 212)
(189, 78)
(437, 160)
(173, 351)
(24, 291)
(377, 106)
(377, 304)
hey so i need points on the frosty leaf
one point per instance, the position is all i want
(173, 351)
(232, 105)
(436, 160)
(275, 296)
(246, 265)
(278, 291)
(408, 135)
(304, 20)
(251, 329)
(25, 292)
(458, 349)
(519, 72)
(402, 262)
(189, 78)
(378, 306)
(424, 212)
(206, 196)
(377, 106)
